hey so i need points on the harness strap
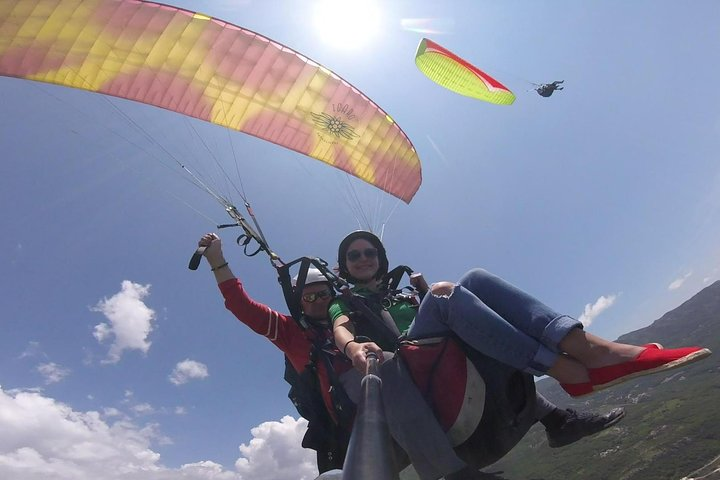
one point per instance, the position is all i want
(391, 280)
(389, 322)
(294, 294)
(292, 302)
(385, 327)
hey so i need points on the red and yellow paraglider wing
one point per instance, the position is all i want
(212, 70)
(452, 72)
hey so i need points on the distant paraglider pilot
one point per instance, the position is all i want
(547, 89)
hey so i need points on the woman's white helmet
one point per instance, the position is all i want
(313, 276)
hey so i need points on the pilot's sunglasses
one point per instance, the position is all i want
(354, 255)
(311, 297)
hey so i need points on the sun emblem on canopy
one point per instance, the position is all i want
(334, 125)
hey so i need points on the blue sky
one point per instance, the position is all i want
(602, 200)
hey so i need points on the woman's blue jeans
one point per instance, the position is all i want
(497, 319)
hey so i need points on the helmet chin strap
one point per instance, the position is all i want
(320, 322)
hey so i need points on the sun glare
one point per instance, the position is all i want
(347, 24)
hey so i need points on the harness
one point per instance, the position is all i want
(370, 314)
(328, 432)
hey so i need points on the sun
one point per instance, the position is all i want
(348, 24)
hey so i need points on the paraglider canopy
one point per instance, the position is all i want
(206, 68)
(454, 73)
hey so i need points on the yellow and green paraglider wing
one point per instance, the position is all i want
(209, 69)
(452, 72)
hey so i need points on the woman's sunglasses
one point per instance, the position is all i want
(354, 255)
(311, 297)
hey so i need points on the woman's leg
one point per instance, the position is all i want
(453, 308)
(520, 309)
(554, 330)
(503, 322)
(593, 351)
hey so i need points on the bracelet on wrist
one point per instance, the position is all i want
(346, 345)
(214, 269)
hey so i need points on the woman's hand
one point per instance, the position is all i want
(357, 353)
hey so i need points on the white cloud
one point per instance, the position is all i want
(32, 350)
(143, 409)
(43, 439)
(275, 452)
(208, 470)
(677, 283)
(592, 311)
(112, 412)
(52, 372)
(188, 370)
(130, 320)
